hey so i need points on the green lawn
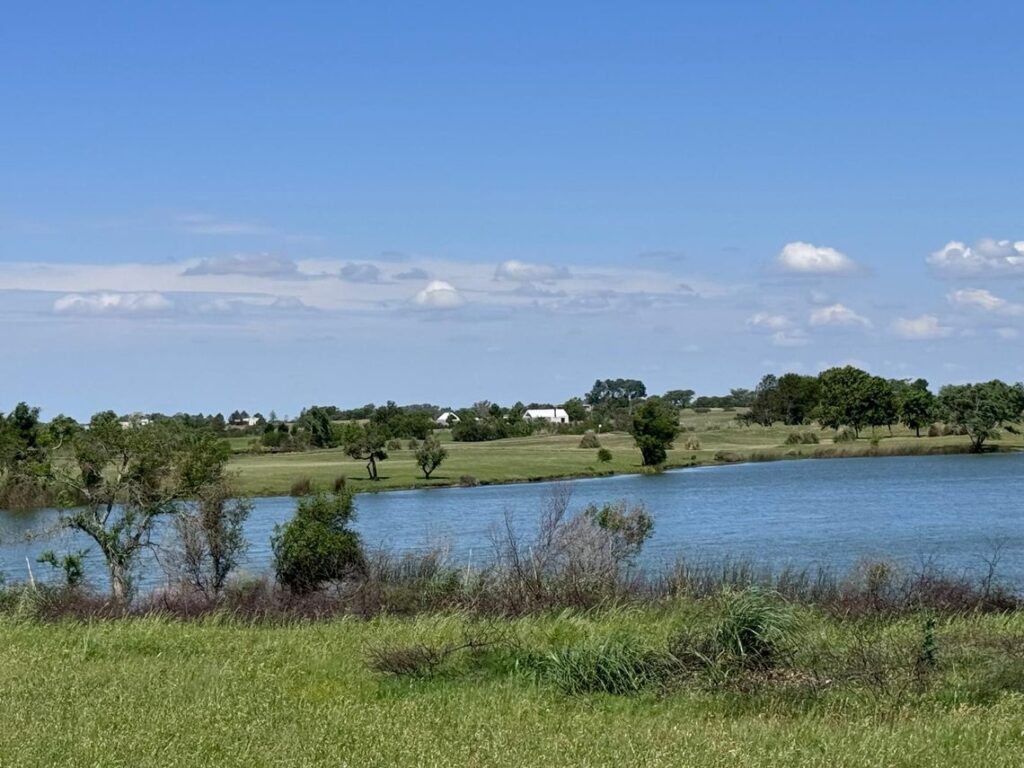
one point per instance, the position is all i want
(555, 456)
(152, 692)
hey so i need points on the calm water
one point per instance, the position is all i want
(951, 509)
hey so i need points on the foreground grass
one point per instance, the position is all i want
(155, 692)
(548, 457)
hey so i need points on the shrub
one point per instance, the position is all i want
(468, 481)
(692, 444)
(301, 487)
(413, 444)
(589, 440)
(727, 457)
(317, 545)
(604, 455)
(802, 438)
(339, 484)
(394, 444)
(844, 435)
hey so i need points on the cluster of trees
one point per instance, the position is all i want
(490, 421)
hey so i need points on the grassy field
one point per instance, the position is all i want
(154, 692)
(544, 457)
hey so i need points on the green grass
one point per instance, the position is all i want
(545, 457)
(153, 692)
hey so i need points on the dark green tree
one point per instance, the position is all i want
(845, 398)
(655, 426)
(981, 408)
(915, 404)
(367, 442)
(679, 398)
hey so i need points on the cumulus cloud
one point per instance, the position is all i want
(987, 256)
(807, 259)
(922, 327)
(520, 271)
(768, 322)
(979, 298)
(107, 303)
(838, 315)
(360, 273)
(248, 265)
(438, 295)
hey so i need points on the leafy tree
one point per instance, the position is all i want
(318, 544)
(915, 404)
(575, 409)
(679, 398)
(124, 480)
(616, 392)
(796, 398)
(881, 404)
(655, 426)
(981, 408)
(764, 409)
(845, 398)
(316, 420)
(367, 442)
(429, 455)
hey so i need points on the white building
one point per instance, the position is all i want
(447, 419)
(554, 415)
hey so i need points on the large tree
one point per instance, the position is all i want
(679, 398)
(123, 480)
(845, 398)
(655, 426)
(981, 408)
(915, 404)
(616, 393)
(366, 442)
(797, 397)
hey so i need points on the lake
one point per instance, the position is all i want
(949, 509)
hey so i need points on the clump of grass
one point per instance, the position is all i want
(692, 444)
(620, 666)
(339, 484)
(413, 444)
(604, 455)
(727, 457)
(394, 445)
(802, 438)
(468, 481)
(303, 486)
(589, 440)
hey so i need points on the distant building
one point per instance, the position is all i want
(447, 419)
(554, 415)
(135, 420)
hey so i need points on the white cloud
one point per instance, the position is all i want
(838, 315)
(438, 295)
(923, 327)
(105, 303)
(793, 338)
(520, 271)
(979, 298)
(987, 256)
(808, 259)
(249, 265)
(768, 322)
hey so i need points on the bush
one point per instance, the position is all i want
(317, 545)
(844, 435)
(589, 440)
(692, 444)
(413, 444)
(802, 438)
(727, 457)
(394, 444)
(468, 481)
(301, 487)
(604, 455)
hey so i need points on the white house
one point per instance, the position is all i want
(554, 415)
(446, 419)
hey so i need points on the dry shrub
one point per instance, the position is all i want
(301, 487)
(692, 444)
(590, 441)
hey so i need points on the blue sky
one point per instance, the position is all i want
(219, 206)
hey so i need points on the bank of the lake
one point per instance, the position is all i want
(709, 439)
(951, 510)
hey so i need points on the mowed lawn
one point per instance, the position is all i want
(154, 692)
(544, 457)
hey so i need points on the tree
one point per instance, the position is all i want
(655, 426)
(210, 541)
(616, 392)
(366, 442)
(981, 408)
(679, 398)
(797, 396)
(575, 409)
(880, 403)
(317, 422)
(318, 545)
(764, 409)
(915, 404)
(124, 480)
(429, 455)
(845, 398)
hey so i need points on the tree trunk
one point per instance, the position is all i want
(120, 583)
